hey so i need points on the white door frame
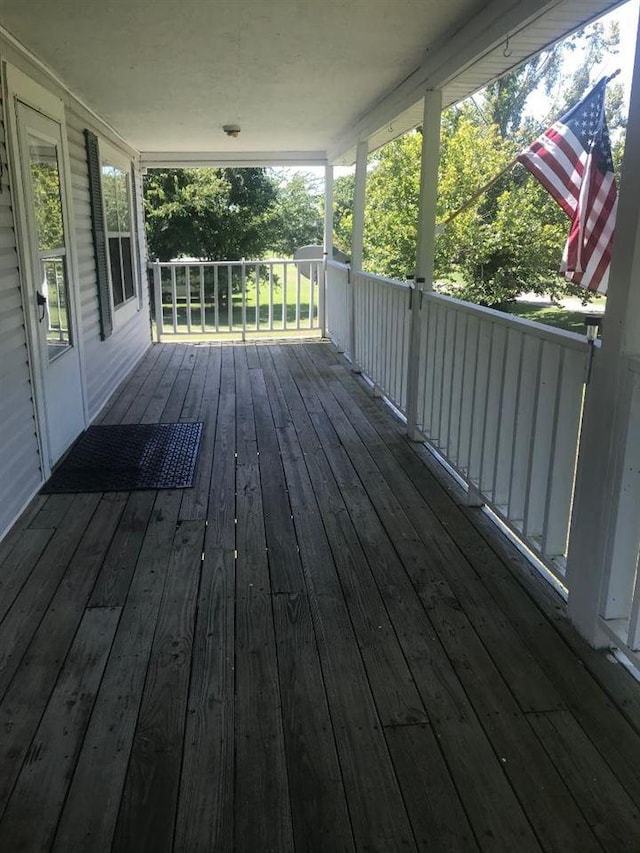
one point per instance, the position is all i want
(19, 86)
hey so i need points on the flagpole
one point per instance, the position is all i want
(477, 194)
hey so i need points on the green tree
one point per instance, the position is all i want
(343, 191)
(391, 211)
(215, 214)
(511, 239)
(298, 214)
(45, 185)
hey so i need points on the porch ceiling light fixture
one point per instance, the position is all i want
(231, 130)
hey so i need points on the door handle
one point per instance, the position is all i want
(42, 303)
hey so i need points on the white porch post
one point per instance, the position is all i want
(357, 239)
(357, 236)
(426, 239)
(328, 247)
(601, 565)
(157, 299)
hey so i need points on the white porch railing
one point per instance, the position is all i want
(338, 304)
(237, 297)
(383, 315)
(498, 397)
(501, 399)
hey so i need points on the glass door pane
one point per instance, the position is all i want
(51, 244)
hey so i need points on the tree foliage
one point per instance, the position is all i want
(45, 185)
(343, 190)
(510, 241)
(228, 214)
(215, 214)
(298, 214)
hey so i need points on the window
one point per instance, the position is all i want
(111, 193)
(116, 194)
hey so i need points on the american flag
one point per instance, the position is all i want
(572, 160)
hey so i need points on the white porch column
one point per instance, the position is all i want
(357, 235)
(606, 515)
(357, 238)
(328, 247)
(425, 247)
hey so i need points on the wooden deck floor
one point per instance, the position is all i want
(314, 649)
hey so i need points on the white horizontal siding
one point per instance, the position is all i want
(106, 363)
(20, 473)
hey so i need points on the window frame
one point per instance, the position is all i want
(129, 307)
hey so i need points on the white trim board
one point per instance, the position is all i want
(189, 159)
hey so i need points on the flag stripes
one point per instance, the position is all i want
(572, 160)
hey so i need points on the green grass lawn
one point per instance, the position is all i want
(291, 301)
(558, 317)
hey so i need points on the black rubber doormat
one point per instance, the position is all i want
(129, 457)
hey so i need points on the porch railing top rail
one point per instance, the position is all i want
(188, 262)
(393, 282)
(562, 336)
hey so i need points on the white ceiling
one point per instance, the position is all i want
(296, 75)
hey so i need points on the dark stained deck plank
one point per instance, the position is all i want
(52, 512)
(165, 387)
(34, 654)
(576, 686)
(204, 820)
(112, 584)
(149, 800)
(377, 812)
(318, 803)
(13, 535)
(395, 693)
(439, 821)
(361, 663)
(23, 617)
(253, 359)
(88, 822)
(20, 562)
(578, 689)
(222, 488)
(495, 812)
(121, 401)
(378, 816)
(618, 685)
(195, 383)
(246, 441)
(526, 678)
(613, 816)
(262, 810)
(175, 401)
(261, 762)
(140, 395)
(553, 813)
(284, 560)
(195, 501)
(48, 765)
(129, 407)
